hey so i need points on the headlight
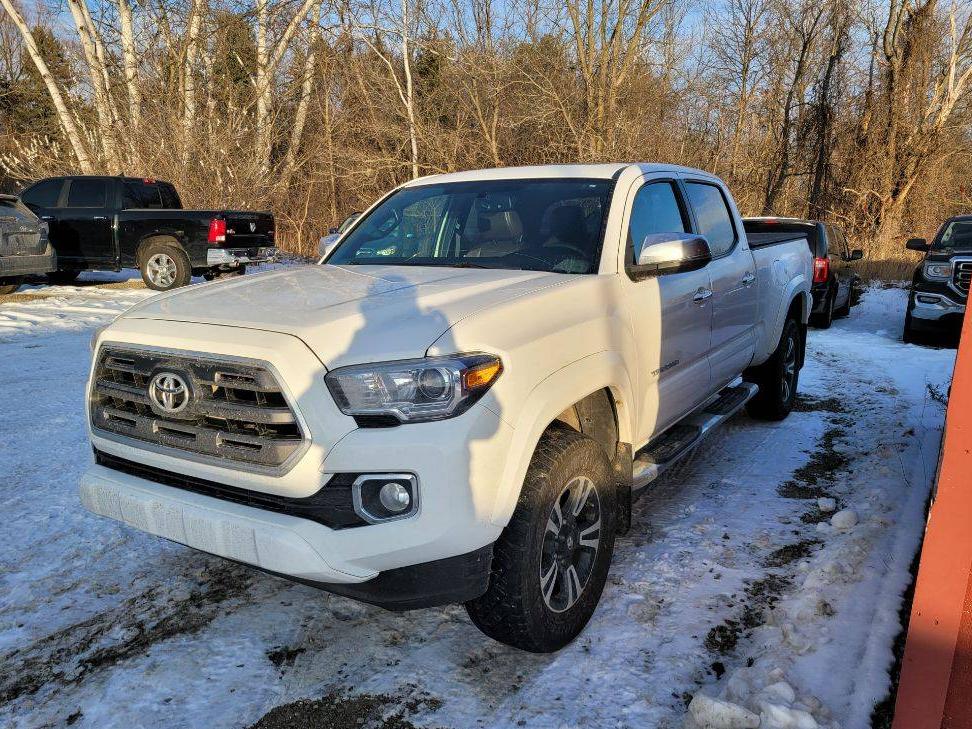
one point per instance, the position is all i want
(938, 271)
(413, 390)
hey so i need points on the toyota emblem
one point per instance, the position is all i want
(169, 392)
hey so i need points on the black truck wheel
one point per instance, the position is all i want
(777, 378)
(164, 266)
(62, 278)
(551, 561)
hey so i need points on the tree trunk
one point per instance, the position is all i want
(57, 99)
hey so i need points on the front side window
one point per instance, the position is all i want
(655, 209)
(713, 216)
(87, 194)
(44, 194)
(534, 225)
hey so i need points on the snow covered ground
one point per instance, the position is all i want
(733, 601)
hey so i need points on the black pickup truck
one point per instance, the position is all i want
(940, 285)
(111, 223)
(834, 279)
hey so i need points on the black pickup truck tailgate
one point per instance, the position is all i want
(245, 228)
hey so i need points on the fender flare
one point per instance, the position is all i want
(559, 391)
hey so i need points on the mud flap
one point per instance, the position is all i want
(622, 465)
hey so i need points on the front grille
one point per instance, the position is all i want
(226, 410)
(962, 276)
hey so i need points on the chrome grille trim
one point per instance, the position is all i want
(962, 275)
(240, 414)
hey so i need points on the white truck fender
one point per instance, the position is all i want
(549, 399)
(798, 286)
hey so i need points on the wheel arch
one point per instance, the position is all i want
(157, 237)
(592, 395)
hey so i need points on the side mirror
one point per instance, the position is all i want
(856, 255)
(917, 244)
(673, 253)
(326, 244)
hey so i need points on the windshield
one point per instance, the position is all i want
(955, 234)
(534, 225)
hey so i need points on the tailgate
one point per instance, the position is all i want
(247, 229)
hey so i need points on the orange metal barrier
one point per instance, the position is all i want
(935, 691)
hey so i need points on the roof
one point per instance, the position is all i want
(594, 171)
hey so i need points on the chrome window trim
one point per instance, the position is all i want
(185, 455)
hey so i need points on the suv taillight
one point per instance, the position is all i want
(821, 270)
(217, 231)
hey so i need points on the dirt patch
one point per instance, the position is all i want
(794, 490)
(284, 656)
(791, 553)
(825, 461)
(71, 653)
(808, 404)
(340, 711)
(759, 595)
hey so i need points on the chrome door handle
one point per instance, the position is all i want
(748, 279)
(701, 295)
(100, 217)
(47, 217)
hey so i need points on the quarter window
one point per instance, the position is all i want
(655, 209)
(713, 216)
(88, 194)
(44, 194)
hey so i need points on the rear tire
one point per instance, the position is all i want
(62, 278)
(164, 266)
(551, 561)
(777, 378)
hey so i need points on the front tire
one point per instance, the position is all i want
(164, 266)
(551, 561)
(777, 378)
(825, 318)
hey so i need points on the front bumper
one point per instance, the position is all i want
(237, 256)
(934, 306)
(457, 463)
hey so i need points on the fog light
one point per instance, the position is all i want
(380, 497)
(394, 497)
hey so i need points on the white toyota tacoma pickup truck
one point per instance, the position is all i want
(459, 402)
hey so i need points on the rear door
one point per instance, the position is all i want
(85, 231)
(670, 314)
(733, 276)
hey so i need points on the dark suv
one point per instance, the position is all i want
(834, 278)
(940, 286)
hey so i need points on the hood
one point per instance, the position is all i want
(349, 314)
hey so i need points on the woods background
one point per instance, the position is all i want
(857, 111)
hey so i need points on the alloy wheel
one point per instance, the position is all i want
(161, 269)
(570, 544)
(789, 368)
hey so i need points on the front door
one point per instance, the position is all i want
(84, 230)
(670, 313)
(733, 275)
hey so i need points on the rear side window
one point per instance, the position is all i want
(88, 194)
(713, 216)
(170, 198)
(44, 194)
(655, 209)
(141, 195)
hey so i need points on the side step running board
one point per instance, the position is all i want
(656, 457)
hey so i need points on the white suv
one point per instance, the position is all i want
(459, 402)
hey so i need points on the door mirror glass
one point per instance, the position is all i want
(673, 252)
(326, 244)
(917, 244)
(856, 255)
